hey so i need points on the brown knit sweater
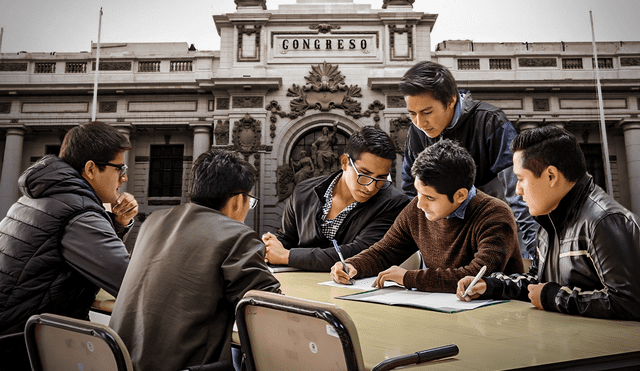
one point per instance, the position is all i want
(451, 248)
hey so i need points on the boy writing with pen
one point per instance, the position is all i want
(457, 228)
(588, 244)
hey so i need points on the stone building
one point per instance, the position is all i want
(303, 78)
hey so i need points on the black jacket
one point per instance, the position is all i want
(365, 225)
(34, 276)
(588, 254)
(486, 132)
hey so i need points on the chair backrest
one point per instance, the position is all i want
(279, 332)
(62, 343)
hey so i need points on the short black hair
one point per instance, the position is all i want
(550, 145)
(95, 141)
(445, 166)
(427, 76)
(373, 140)
(219, 174)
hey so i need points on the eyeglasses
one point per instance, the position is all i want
(253, 201)
(122, 168)
(366, 180)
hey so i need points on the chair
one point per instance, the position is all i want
(279, 332)
(56, 342)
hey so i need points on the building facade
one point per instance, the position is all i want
(288, 87)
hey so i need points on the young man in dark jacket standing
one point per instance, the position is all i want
(355, 206)
(438, 110)
(589, 244)
(58, 244)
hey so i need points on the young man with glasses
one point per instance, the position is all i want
(58, 242)
(457, 228)
(355, 206)
(190, 266)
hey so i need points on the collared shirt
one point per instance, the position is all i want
(456, 113)
(459, 213)
(330, 227)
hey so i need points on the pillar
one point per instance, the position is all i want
(201, 140)
(9, 192)
(126, 131)
(632, 148)
(527, 125)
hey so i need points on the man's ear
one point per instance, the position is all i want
(460, 196)
(552, 173)
(90, 170)
(344, 161)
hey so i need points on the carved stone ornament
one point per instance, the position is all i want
(325, 90)
(223, 103)
(246, 135)
(13, 67)
(396, 101)
(630, 62)
(323, 27)
(537, 62)
(247, 102)
(541, 104)
(398, 129)
(386, 3)
(5, 107)
(395, 30)
(221, 132)
(113, 66)
(243, 30)
(285, 182)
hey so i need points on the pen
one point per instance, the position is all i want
(344, 265)
(475, 280)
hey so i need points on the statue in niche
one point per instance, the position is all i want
(303, 168)
(322, 152)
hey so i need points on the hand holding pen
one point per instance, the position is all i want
(476, 286)
(343, 270)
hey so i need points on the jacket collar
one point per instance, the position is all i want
(569, 205)
(322, 187)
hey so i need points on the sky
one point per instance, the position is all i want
(71, 25)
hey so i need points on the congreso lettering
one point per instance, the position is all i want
(317, 44)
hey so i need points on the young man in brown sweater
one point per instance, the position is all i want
(457, 228)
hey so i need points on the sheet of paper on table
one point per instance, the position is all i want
(361, 284)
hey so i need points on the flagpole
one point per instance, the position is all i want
(603, 128)
(95, 83)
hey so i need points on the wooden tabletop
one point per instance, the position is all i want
(503, 336)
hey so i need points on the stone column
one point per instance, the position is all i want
(632, 146)
(126, 131)
(526, 125)
(201, 139)
(9, 192)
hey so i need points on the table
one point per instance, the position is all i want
(513, 335)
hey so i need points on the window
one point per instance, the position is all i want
(603, 63)
(45, 68)
(166, 169)
(468, 64)
(149, 66)
(500, 64)
(571, 63)
(75, 67)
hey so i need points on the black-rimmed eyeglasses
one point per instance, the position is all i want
(253, 201)
(365, 180)
(122, 168)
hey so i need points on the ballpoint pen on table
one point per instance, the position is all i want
(475, 280)
(344, 265)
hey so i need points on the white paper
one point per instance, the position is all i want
(361, 284)
(434, 300)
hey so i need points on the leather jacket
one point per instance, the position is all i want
(588, 254)
(365, 225)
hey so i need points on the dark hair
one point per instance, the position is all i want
(217, 175)
(445, 166)
(95, 141)
(427, 76)
(373, 140)
(550, 145)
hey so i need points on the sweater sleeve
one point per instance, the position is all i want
(91, 246)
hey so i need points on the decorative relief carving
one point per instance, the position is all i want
(624, 62)
(398, 131)
(248, 102)
(110, 106)
(537, 62)
(222, 103)
(386, 3)
(14, 67)
(246, 137)
(323, 155)
(5, 107)
(113, 66)
(396, 101)
(541, 104)
(323, 27)
(253, 54)
(274, 107)
(325, 90)
(285, 182)
(221, 132)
